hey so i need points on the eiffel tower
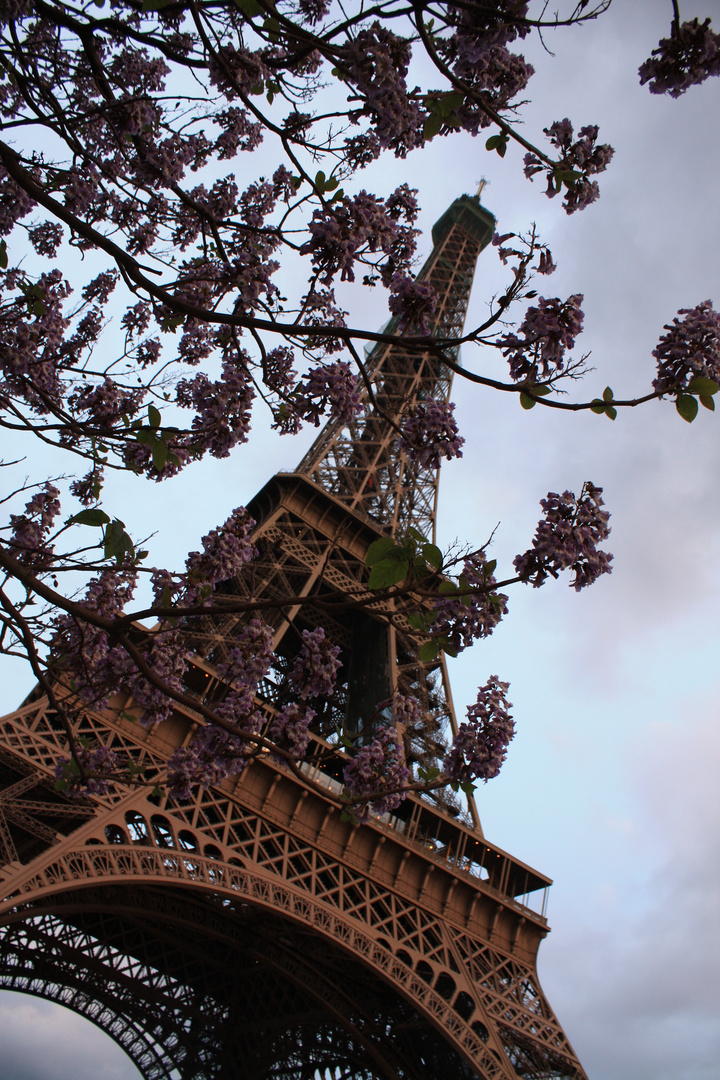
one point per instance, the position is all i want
(251, 932)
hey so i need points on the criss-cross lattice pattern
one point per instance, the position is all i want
(361, 463)
(252, 933)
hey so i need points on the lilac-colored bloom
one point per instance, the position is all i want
(567, 538)
(480, 746)
(541, 340)
(687, 58)
(412, 302)
(474, 614)
(690, 347)
(377, 774)
(430, 433)
(289, 729)
(314, 670)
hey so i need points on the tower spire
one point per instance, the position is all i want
(361, 463)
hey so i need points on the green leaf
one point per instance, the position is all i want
(432, 555)
(249, 7)
(687, 406)
(90, 517)
(153, 416)
(699, 384)
(429, 651)
(597, 406)
(156, 5)
(117, 541)
(433, 124)
(525, 401)
(159, 454)
(387, 573)
(498, 142)
(608, 394)
(417, 535)
(489, 567)
(468, 787)
(429, 774)
(379, 550)
(3, 255)
(708, 402)
(416, 621)
(610, 411)
(540, 390)
(447, 588)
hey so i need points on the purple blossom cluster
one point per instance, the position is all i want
(430, 433)
(377, 775)
(167, 657)
(213, 755)
(314, 670)
(83, 654)
(478, 54)
(105, 403)
(329, 387)
(102, 764)
(225, 552)
(222, 407)
(541, 340)
(578, 161)
(376, 62)
(28, 540)
(690, 347)
(480, 746)
(412, 302)
(289, 729)
(567, 538)
(476, 609)
(250, 657)
(688, 57)
(351, 229)
(406, 711)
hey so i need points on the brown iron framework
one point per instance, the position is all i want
(251, 933)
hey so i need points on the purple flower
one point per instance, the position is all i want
(430, 433)
(375, 777)
(689, 56)
(315, 668)
(250, 657)
(480, 746)
(413, 302)
(543, 337)
(376, 62)
(289, 729)
(460, 620)
(225, 552)
(29, 531)
(353, 228)
(101, 761)
(578, 161)
(212, 755)
(567, 538)
(690, 347)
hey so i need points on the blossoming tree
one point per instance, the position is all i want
(122, 122)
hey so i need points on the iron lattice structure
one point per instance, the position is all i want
(251, 933)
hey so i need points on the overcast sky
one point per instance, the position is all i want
(611, 784)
